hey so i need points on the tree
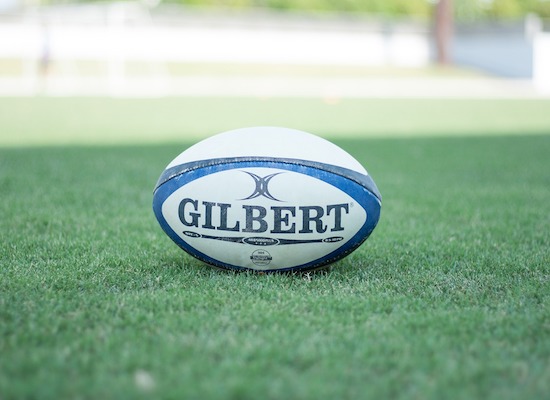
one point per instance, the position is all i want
(443, 30)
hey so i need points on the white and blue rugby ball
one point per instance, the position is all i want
(266, 199)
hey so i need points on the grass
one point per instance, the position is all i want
(61, 121)
(449, 298)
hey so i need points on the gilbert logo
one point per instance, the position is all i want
(207, 219)
(261, 186)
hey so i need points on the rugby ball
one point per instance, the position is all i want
(266, 199)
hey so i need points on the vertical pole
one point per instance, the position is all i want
(444, 30)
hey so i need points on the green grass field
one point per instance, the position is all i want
(448, 299)
(62, 121)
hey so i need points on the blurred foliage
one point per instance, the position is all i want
(464, 9)
(469, 10)
(419, 8)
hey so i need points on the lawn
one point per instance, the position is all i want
(449, 298)
(61, 121)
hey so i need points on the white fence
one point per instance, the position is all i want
(119, 37)
(541, 62)
(120, 33)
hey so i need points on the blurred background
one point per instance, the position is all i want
(276, 48)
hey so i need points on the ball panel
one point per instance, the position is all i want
(269, 142)
(259, 191)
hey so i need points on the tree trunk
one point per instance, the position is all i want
(444, 30)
